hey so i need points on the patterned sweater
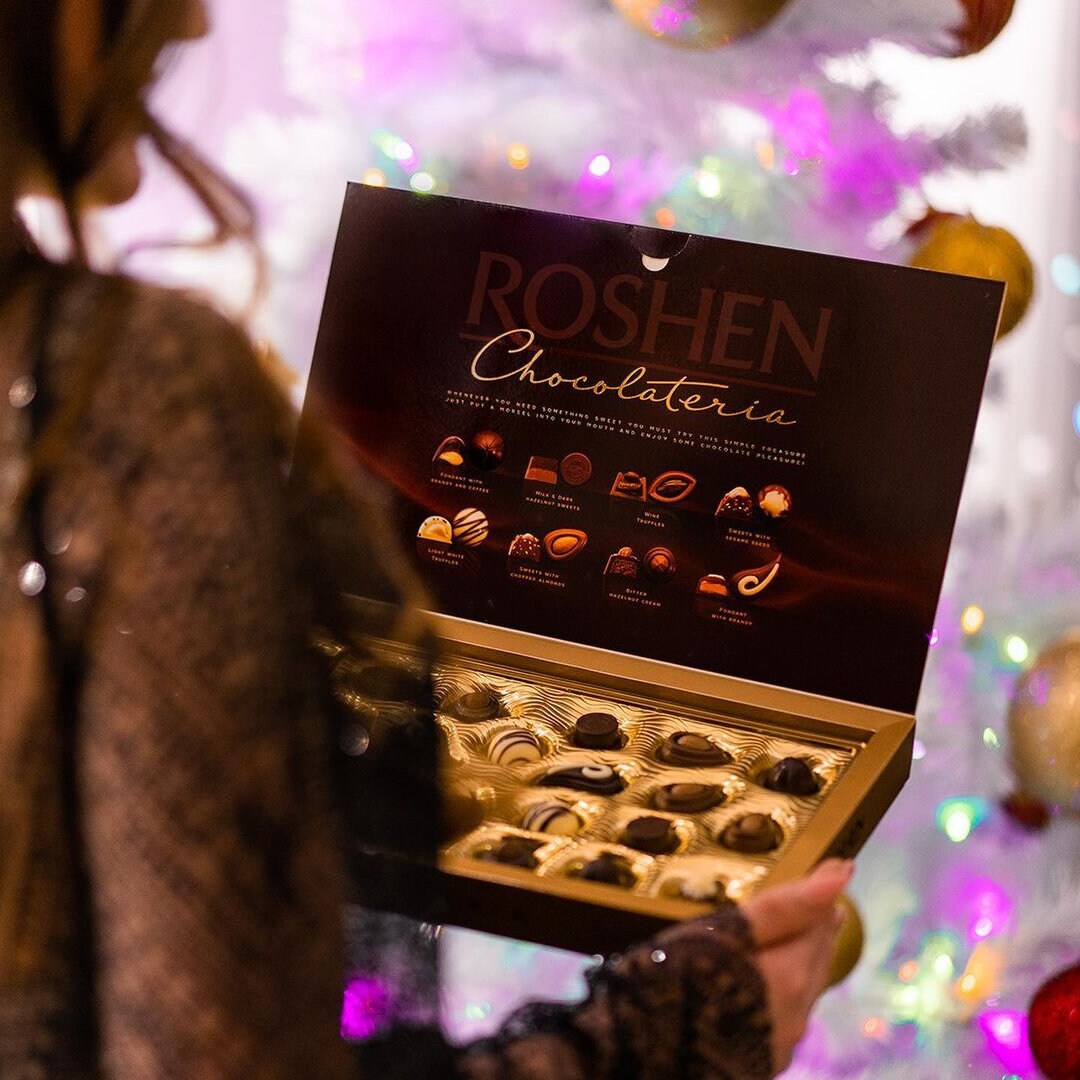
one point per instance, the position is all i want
(171, 879)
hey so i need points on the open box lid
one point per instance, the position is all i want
(733, 457)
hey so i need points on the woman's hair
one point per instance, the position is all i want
(133, 34)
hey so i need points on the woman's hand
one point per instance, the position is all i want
(794, 927)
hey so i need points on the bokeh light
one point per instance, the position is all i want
(972, 619)
(600, 165)
(1016, 649)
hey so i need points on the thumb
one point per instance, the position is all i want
(785, 911)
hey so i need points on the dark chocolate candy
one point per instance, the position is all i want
(659, 564)
(713, 585)
(487, 450)
(689, 748)
(672, 486)
(758, 579)
(576, 469)
(655, 835)
(629, 485)
(792, 776)
(688, 798)
(736, 504)
(598, 779)
(623, 563)
(752, 834)
(609, 868)
(386, 682)
(542, 470)
(511, 851)
(525, 547)
(597, 731)
(475, 706)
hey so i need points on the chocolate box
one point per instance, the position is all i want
(698, 491)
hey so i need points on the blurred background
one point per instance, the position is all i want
(940, 133)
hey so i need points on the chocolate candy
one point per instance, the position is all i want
(565, 543)
(751, 582)
(511, 851)
(655, 835)
(629, 485)
(575, 469)
(475, 706)
(774, 501)
(385, 682)
(515, 746)
(792, 776)
(597, 731)
(736, 504)
(487, 450)
(751, 834)
(713, 585)
(699, 884)
(436, 529)
(688, 798)
(553, 818)
(470, 527)
(689, 748)
(623, 563)
(672, 486)
(659, 564)
(542, 470)
(450, 454)
(597, 779)
(525, 547)
(609, 868)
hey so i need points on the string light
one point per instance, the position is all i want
(600, 165)
(1016, 649)
(517, 154)
(933, 637)
(708, 183)
(990, 739)
(665, 218)
(422, 182)
(908, 970)
(766, 154)
(957, 817)
(1065, 273)
(972, 619)
(374, 178)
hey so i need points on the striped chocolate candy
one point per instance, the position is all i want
(551, 817)
(470, 527)
(514, 746)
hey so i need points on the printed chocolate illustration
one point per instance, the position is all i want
(525, 547)
(451, 453)
(629, 485)
(470, 527)
(623, 564)
(575, 469)
(659, 564)
(542, 470)
(565, 543)
(671, 487)
(436, 529)
(736, 504)
(774, 501)
(752, 582)
(487, 450)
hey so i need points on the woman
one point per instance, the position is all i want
(170, 874)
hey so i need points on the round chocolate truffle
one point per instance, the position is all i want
(752, 834)
(609, 868)
(688, 798)
(774, 501)
(792, 776)
(516, 746)
(659, 564)
(475, 706)
(487, 450)
(597, 731)
(551, 817)
(689, 748)
(511, 851)
(656, 835)
(598, 779)
(385, 682)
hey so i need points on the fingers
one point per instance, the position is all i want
(788, 910)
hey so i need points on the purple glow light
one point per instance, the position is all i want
(1006, 1032)
(365, 1008)
(988, 906)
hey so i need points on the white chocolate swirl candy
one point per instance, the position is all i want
(751, 582)
(470, 527)
(514, 746)
(553, 818)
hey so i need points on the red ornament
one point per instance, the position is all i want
(1054, 1026)
(1026, 811)
(983, 21)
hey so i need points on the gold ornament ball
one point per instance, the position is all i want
(958, 244)
(699, 24)
(849, 942)
(1044, 725)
